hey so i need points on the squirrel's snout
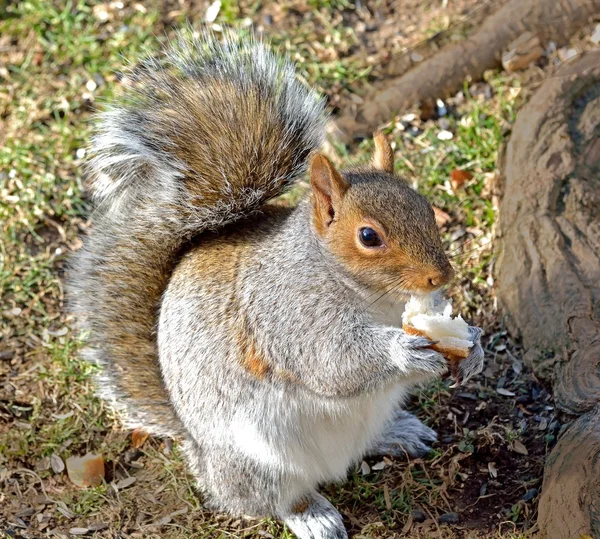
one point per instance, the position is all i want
(439, 278)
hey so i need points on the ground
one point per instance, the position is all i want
(58, 62)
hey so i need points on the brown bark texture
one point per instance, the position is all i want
(548, 277)
(444, 73)
(570, 502)
(548, 272)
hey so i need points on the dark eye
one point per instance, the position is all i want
(369, 238)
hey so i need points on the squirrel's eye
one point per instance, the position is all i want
(369, 238)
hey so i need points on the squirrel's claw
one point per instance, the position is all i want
(473, 364)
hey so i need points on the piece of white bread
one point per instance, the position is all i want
(434, 321)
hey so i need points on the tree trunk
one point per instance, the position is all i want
(444, 73)
(548, 277)
(569, 505)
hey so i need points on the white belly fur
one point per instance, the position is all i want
(317, 444)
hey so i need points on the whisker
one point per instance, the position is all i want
(391, 288)
(374, 293)
(395, 300)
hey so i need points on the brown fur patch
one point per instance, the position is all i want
(255, 363)
(301, 506)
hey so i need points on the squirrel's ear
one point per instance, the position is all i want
(328, 187)
(383, 157)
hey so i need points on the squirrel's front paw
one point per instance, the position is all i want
(416, 357)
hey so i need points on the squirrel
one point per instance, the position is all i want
(247, 329)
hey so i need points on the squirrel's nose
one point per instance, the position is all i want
(440, 278)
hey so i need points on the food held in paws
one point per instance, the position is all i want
(422, 316)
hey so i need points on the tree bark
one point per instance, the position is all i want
(548, 277)
(569, 504)
(444, 73)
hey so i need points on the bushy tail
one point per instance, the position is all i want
(207, 132)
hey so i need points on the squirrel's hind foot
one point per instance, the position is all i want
(406, 435)
(315, 518)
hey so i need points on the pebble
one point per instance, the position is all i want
(449, 518)
(418, 516)
(414, 131)
(442, 110)
(213, 11)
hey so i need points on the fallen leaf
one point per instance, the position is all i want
(86, 471)
(365, 468)
(162, 522)
(518, 447)
(66, 512)
(492, 469)
(97, 526)
(63, 416)
(43, 464)
(19, 522)
(379, 466)
(441, 217)
(124, 483)
(58, 466)
(458, 178)
(504, 392)
(138, 437)
(524, 410)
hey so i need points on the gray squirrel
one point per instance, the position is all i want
(249, 330)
